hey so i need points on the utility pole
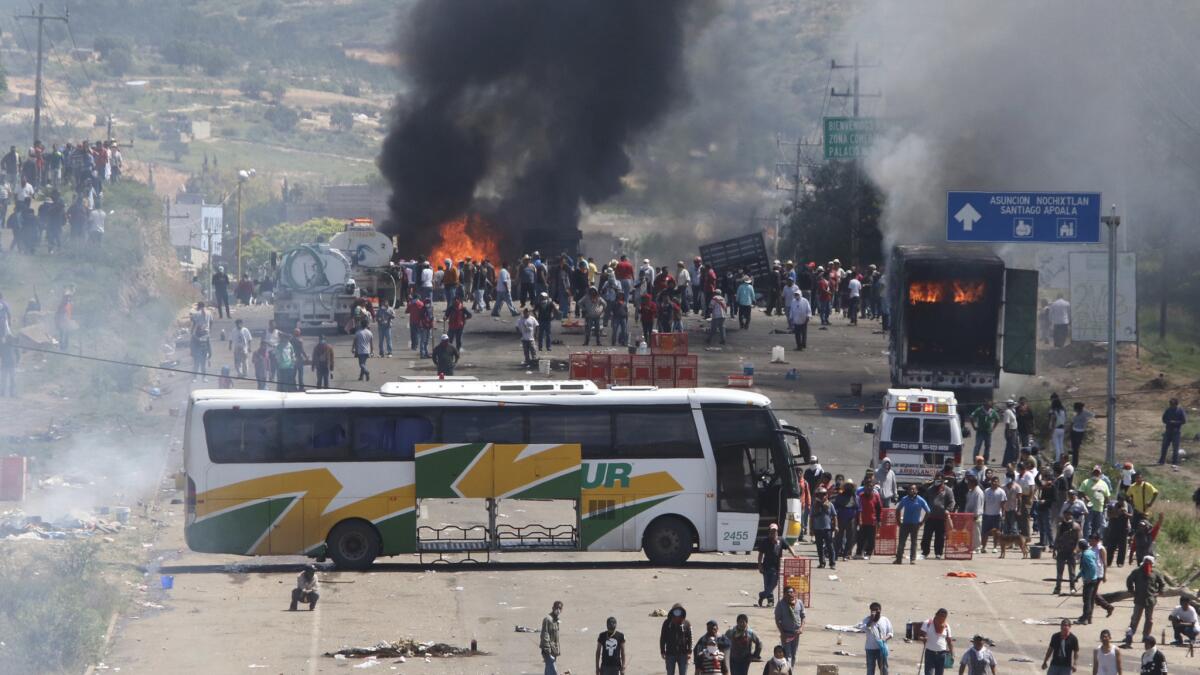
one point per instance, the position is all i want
(855, 94)
(1110, 448)
(793, 172)
(41, 19)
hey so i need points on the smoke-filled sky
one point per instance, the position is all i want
(1020, 95)
(530, 105)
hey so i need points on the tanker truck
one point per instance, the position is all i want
(319, 283)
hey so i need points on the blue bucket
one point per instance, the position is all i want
(168, 581)
(748, 369)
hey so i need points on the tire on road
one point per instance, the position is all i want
(353, 545)
(668, 540)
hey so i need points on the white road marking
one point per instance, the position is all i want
(314, 642)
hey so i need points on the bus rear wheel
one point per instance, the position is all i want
(353, 545)
(668, 541)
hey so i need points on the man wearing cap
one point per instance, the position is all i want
(445, 356)
(545, 311)
(1142, 495)
(745, 301)
(683, 278)
(977, 659)
(983, 420)
(824, 525)
(610, 650)
(855, 288)
(592, 307)
(1145, 583)
(770, 552)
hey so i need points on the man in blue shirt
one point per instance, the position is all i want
(1090, 571)
(910, 513)
(1173, 419)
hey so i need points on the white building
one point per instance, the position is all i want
(195, 227)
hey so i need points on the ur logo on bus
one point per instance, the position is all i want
(606, 474)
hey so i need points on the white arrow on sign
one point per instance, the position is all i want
(968, 216)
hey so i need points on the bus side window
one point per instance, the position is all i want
(906, 430)
(391, 437)
(736, 491)
(242, 436)
(483, 425)
(590, 427)
(656, 433)
(316, 436)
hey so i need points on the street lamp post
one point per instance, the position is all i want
(1110, 450)
(243, 176)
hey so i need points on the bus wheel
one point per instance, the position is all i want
(668, 541)
(353, 545)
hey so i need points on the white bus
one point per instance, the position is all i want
(343, 475)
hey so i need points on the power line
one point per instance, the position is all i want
(833, 407)
(41, 17)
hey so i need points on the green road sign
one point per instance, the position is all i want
(849, 137)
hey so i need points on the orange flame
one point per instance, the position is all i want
(463, 238)
(967, 292)
(925, 291)
(958, 291)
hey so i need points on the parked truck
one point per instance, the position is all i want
(959, 318)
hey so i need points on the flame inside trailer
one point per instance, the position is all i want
(952, 317)
(467, 237)
(957, 291)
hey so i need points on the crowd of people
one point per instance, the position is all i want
(81, 169)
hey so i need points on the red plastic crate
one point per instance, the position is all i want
(687, 371)
(642, 368)
(669, 343)
(14, 478)
(598, 365)
(620, 370)
(664, 370)
(580, 366)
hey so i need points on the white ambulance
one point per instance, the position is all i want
(918, 430)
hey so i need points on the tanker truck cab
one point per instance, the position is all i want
(918, 430)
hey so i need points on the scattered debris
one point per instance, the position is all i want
(658, 612)
(844, 629)
(1040, 622)
(527, 629)
(842, 652)
(1021, 659)
(962, 575)
(405, 647)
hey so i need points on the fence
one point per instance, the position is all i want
(959, 535)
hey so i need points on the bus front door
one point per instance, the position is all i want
(737, 499)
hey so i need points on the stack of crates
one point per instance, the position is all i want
(670, 365)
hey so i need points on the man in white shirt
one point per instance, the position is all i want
(426, 282)
(242, 343)
(527, 327)
(975, 505)
(1060, 320)
(95, 226)
(1011, 441)
(1184, 621)
(799, 312)
(994, 499)
(855, 296)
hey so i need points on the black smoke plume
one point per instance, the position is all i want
(524, 109)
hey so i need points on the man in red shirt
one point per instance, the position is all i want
(648, 311)
(456, 320)
(415, 311)
(709, 284)
(624, 275)
(870, 507)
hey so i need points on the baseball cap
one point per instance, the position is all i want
(445, 337)
(773, 526)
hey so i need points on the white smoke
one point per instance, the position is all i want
(1022, 95)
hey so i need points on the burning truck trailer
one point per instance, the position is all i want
(959, 319)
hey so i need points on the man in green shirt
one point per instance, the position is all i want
(984, 419)
(1095, 492)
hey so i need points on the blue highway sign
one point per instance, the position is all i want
(1042, 217)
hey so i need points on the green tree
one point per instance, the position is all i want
(819, 228)
(216, 61)
(256, 250)
(253, 86)
(106, 44)
(341, 119)
(276, 90)
(282, 118)
(119, 61)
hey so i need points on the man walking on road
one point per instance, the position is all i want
(241, 347)
(978, 659)
(879, 630)
(744, 646)
(941, 502)
(1062, 652)
(984, 419)
(824, 526)
(770, 553)
(527, 327)
(1011, 440)
(548, 640)
(1173, 419)
(675, 640)
(610, 650)
(789, 619)
(1145, 583)
(363, 341)
(445, 356)
(322, 362)
(910, 512)
(799, 311)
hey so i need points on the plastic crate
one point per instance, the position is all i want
(687, 371)
(580, 366)
(664, 370)
(669, 343)
(14, 478)
(741, 381)
(598, 365)
(642, 370)
(620, 370)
